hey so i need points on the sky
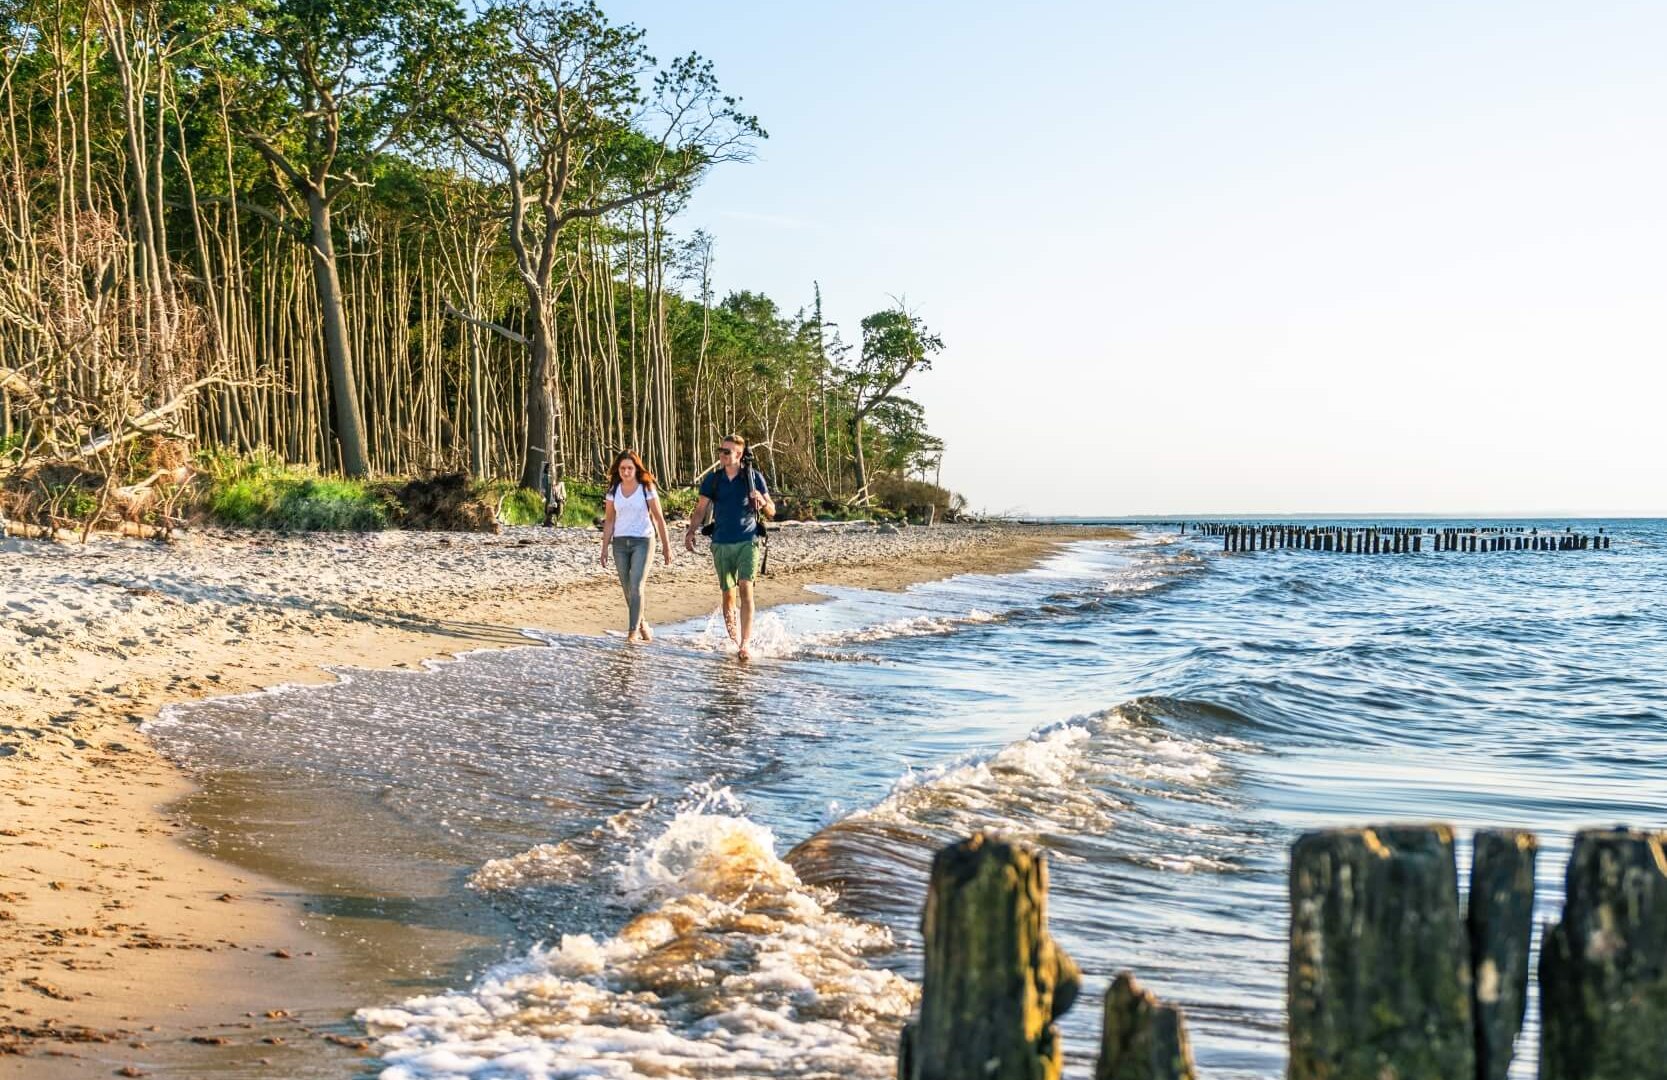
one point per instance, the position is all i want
(1236, 257)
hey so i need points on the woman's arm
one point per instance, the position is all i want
(607, 527)
(660, 527)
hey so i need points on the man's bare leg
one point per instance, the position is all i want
(729, 616)
(745, 589)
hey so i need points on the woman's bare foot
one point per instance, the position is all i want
(644, 633)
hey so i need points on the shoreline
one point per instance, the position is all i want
(123, 944)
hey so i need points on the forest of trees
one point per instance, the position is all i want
(399, 237)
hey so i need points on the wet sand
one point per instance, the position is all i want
(122, 947)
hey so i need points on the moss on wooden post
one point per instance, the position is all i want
(1603, 968)
(1143, 1039)
(1379, 977)
(1501, 923)
(995, 980)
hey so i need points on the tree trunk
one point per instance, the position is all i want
(857, 458)
(344, 389)
(541, 428)
(478, 466)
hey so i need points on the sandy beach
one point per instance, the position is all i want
(121, 945)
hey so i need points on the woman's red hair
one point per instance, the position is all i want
(644, 477)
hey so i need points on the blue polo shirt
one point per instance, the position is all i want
(737, 521)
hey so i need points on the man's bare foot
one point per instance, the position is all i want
(644, 632)
(745, 654)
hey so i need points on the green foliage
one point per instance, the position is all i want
(895, 344)
(11, 449)
(262, 492)
(584, 503)
(516, 505)
(73, 501)
(909, 498)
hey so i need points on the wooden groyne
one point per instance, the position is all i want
(1398, 539)
(1389, 976)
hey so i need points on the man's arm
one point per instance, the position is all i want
(696, 520)
(761, 496)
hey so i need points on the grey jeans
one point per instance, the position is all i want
(631, 560)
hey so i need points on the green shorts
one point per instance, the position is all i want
(735, 562)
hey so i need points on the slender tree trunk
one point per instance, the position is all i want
(857, 458)
(349, 426)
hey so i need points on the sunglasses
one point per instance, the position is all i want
(725, 450)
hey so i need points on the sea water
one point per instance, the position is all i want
(690, 867)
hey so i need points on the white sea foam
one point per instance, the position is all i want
(773, 638)
(733, 967)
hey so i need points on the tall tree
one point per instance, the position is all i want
(323, 88)
(895, 344)
(554, 97)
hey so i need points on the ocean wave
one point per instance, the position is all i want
(1107, 774)
(733, 966)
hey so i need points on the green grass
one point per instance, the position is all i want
(261, 492)
(520, 506)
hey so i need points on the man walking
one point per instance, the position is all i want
(736, 494)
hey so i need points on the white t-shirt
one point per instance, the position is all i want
(631, 511)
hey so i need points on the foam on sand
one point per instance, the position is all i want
(732, 967)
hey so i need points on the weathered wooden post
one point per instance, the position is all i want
(1379, 975)
(1143, 1039)
(1501, 926)
(995, 981)
(1603, 968)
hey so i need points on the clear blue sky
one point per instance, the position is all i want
(1234, 256)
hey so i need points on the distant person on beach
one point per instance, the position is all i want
(736, 494)
(633, 514)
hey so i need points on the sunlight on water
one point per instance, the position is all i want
(709, 869)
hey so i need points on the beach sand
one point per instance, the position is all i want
(124, 948)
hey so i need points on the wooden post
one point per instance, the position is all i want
(1142, 1039)
(995, 981)
(1501, 925)
(1379, 975)
(1603, 968)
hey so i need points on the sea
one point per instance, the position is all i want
(656, 861)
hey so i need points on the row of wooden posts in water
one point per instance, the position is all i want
(1397, 539)
(1389, 977)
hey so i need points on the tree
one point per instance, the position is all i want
(322, 89)
(895, 344)
(553, 97)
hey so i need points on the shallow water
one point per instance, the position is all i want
(674, 865)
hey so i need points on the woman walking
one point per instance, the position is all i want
(633, 515)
